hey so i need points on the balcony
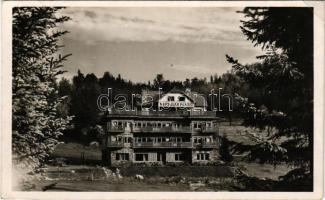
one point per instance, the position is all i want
(162, 145)
(205, 130)
(162, 113)
(118, 129)
(116, 144)
(210, 145)
(206, 145)
(186, 129)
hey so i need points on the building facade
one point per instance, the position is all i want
(183, 133)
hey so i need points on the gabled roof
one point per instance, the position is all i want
(199, 101)
(178, 91)
(194, 97)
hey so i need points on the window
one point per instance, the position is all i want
(141, 157)
(203, 156)
(170, 98)
(199, 125)
(122, 156)
(179, 156)
(195, 125)
(181, 98)
(129, 140)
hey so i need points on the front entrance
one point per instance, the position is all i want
(161, 157)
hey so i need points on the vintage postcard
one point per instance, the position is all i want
(162, 100)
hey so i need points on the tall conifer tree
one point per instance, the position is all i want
(285, 75)
(36, 63)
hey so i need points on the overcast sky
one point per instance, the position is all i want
(139, 43)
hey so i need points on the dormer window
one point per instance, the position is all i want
(171, 98)
(181, 98)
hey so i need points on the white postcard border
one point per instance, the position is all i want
(6, 94)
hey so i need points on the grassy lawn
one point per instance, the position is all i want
(241, 134)
(264, 170)
(73, 153)
(77, 178)
(179, 171)
(101, 185)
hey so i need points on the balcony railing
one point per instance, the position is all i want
(210, 130)
(183, 129)
(115, 144)
(206, 145)
(118, 129)
(118, 144)
(163, 113)
(162, 145)
(210, 145)
(186, 129)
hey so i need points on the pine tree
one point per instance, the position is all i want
(285, 77)
(36, 64)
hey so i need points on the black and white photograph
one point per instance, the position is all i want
(156, 98)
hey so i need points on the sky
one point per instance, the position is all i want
(141, 42)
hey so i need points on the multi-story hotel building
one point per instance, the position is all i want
(186, 133)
